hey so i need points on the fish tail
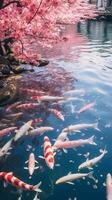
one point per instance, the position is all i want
(37, 189)
(90, 175)
(91, 140)
(104, 151)
(96, 126)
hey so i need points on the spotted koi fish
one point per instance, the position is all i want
(48, 153)
(10, 178)
(33, 91)
(27, 105)
(57, 113)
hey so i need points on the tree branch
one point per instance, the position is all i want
(15, 1)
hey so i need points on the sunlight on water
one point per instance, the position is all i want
(80, 69)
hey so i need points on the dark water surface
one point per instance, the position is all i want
(83, 62)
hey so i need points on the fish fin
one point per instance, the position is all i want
(69, 173)
(31, 127)
(5, 184)
(36, 161)
(65, 151)
(71, 183)
(26, 168)
(37, 187)
(37, 167)
(8, 153)
(96, 126)
(90, 168)
(91, 140)
(42, 157)
(30, 177)
(26, 161)
(90, 175)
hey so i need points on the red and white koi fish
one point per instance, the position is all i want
(31, 164)
(86, 107)
(109, 186)
(40, 130)
(89, 163)
(73, 143)
(28, 105)
(78, 127)
(48, 98)
(10, 107)
(10, 178)
(32, 91)
(4, 150)
(57, 113)
(72, 177)
(23, 130)
(48, 153)
(5, 131)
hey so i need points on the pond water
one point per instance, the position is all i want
(82, 63)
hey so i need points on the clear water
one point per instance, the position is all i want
(82, 62)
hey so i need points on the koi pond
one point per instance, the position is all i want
(74, 89)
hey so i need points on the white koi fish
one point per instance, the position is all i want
(90, 163)
(86, 107)
(31, 164)
(48, 98)
(57, 113)
(78, 127)
(73, 143)
(40, 130)
(109, 186)
(4, 150)
(23, 130)
(5, 131)
(72, 177)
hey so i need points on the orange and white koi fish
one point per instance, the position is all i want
(86, 107)
(57, 113)
(48, 98)
(32, 91)
(72, 177)
(5, 131)
(78, 127)
(10, 178)
(28, 105)
(109, 186)
(73, 143)
(31, 164)
(48, 153)
(89, 163)
(23, 130)
(40, 130)
(10, 107)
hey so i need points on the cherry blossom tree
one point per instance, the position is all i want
(28, 22)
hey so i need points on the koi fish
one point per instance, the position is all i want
(90, 163)
(76, 92)
(48, 98)
(4, 150)
(78, 127)
(10, 178)
(5, 131)
(31, 164)
(109, 186)
(74, 143)
(57, 113)
(72, 177)
(86, 107)
(10, 107)
(40, 130)
(23, 130)
(48, 153)
(30, 91)
(27, 105)
(37, 120)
